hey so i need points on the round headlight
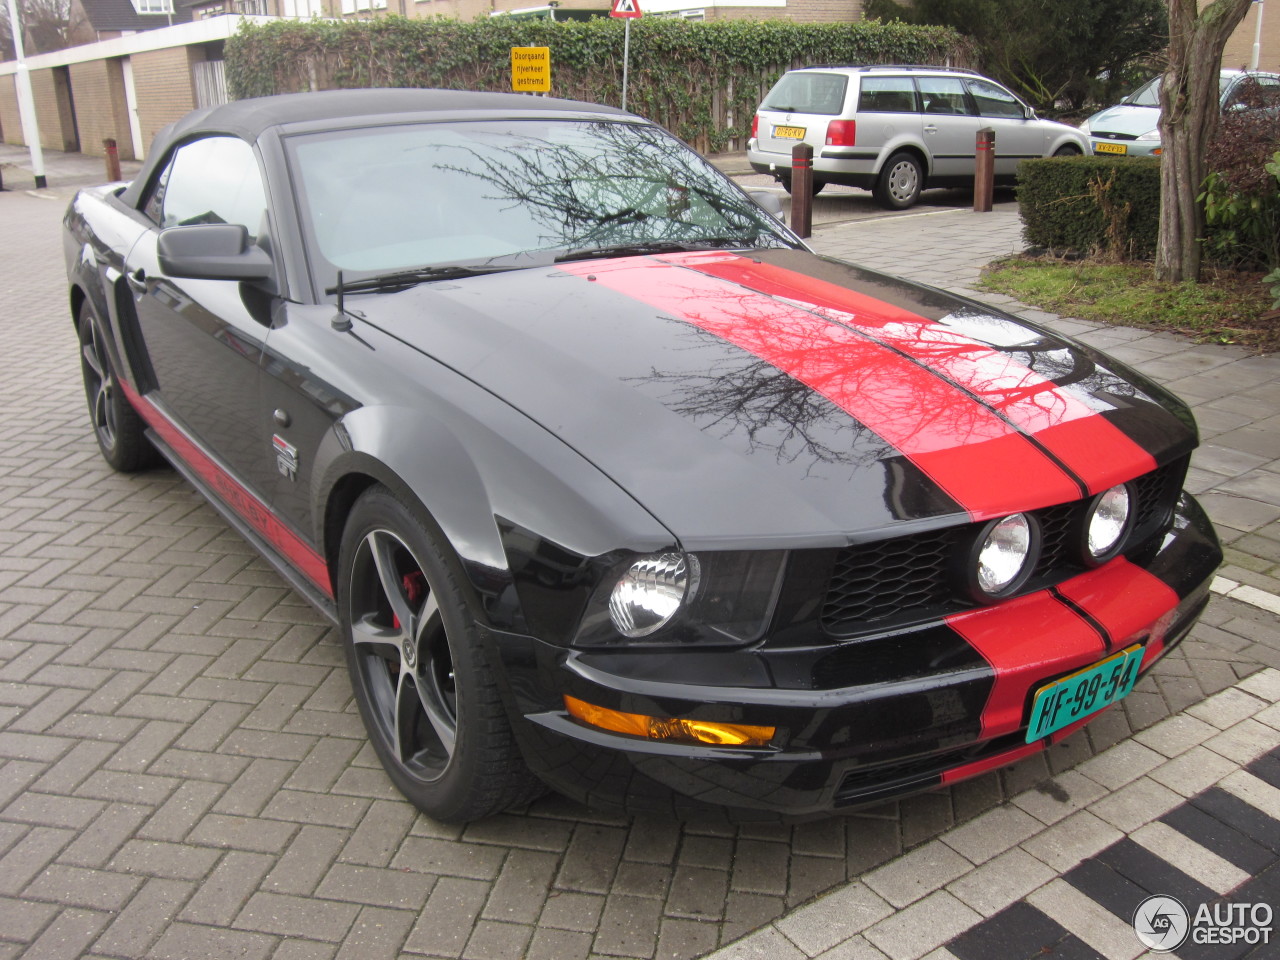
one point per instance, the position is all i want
(651, 592)
(1106, 524)
(1005, 556)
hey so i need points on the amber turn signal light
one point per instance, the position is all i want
(671, 728)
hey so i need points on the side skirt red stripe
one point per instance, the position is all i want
(245, 503)
(1092, 447)
(978, 459)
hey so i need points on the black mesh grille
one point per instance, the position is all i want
(909, 578)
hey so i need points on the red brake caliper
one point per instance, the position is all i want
(415, 587)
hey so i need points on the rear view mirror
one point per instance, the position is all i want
(769, 200)
(212, 251)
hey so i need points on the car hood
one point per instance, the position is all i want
(780, 398)
(1125, 118)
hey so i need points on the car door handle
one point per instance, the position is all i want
(930, 128)
(137, 280)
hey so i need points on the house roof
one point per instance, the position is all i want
(112, 15)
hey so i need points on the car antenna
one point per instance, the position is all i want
(341, 321)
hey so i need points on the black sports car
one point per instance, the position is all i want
(610, 482)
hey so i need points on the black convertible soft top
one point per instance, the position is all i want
(247, 119)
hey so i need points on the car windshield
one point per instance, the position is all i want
(807, 92)
(1147, 95)
(510, 193)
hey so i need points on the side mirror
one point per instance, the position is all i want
(769, 200)
(212, 251)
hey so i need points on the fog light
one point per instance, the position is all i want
(650, 593)
(1005, 556)
(1106, 524)
(670, 728)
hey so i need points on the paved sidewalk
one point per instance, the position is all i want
(183, 774)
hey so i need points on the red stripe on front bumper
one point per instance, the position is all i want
(1093, 448)
(1025, 640)
(239, 498)
(1132, 605)
(978, 459)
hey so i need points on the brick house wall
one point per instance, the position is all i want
(10, 122)
(1239, 49)
(53, 111)
(101, 111)
(165, 88)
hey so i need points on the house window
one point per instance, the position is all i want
(353, 6)
(153, 6)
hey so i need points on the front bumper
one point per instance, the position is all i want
(858, 721)
(1104, 147)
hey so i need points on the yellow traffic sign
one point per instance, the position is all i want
(531, 69)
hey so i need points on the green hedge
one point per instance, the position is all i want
(703, 81)
(1091, 204)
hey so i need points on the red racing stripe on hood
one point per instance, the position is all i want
(1092, 447)
(1131, 604)
(978, 459)
(1025, 640)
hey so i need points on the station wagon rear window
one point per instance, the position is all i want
(805, 92)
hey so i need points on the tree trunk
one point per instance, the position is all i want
(1189, 109)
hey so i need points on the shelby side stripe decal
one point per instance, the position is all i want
(980, 460)
(254, 512)
(1089, 445)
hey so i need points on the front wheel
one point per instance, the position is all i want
(900, 182)
(422, 682)
(1067, 150)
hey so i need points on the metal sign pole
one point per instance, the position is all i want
(626, 58)
(26, 103)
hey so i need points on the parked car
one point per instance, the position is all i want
(896, 130)
(1131, 127)
(610, 483)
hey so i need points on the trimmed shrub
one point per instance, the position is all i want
(1242, 192)
(702, 81)
(1091, 205)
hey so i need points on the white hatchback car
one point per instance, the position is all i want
(896, 130)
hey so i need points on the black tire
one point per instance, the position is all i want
(900, 182)
(120, 432)
(1068, 150)
(424, 687)
(817, 185)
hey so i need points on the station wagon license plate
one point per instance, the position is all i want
(1086, 691)
(1110, 148)
(789, 133)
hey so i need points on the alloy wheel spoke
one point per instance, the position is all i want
(376, 640)
(91, 358)
(380, 546)
(406, 717)
(433, 705)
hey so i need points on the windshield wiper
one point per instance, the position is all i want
(653, 246)
(403, 279)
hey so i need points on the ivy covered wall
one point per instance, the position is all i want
(700, 80)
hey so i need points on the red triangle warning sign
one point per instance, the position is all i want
(626, 8)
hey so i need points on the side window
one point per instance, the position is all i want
(215, 180)
(944, 95)
(887, 95)
(995, 101)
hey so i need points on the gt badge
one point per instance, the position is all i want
(286, 457)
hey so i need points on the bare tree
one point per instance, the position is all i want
(46, 25)
(1189, 109)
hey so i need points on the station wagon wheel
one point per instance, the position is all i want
(420, 677)
(120, 432)
(900, 182)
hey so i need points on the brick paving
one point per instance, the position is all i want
(183, 773)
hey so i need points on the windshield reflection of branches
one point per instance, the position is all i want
(611, 184)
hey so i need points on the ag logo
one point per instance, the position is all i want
(1161, 923)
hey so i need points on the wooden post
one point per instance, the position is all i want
(113, 160)
(984, 173)
(802, 189)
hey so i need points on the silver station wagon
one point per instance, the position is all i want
(896, 130)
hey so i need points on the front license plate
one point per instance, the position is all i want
(1087, 691)
(1110, 148)
(789, 133)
